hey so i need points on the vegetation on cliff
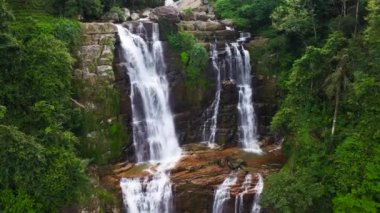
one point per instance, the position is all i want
(326, 56)
(193, 55)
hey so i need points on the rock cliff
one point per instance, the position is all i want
(201, 170)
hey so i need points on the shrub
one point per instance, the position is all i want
(119, 12)
(286, 192)
(193, 56)
(188, 13)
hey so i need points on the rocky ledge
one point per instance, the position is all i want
(201, 170)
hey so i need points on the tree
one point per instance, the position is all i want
(293, 16)
(336, 82)
(249, 15)
(89, 9)
(286, 191)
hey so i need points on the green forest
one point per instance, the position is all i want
(324, 53)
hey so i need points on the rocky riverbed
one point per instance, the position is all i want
(201, 170)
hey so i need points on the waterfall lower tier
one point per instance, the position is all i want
(222, 193)
(247, 188)
(154, 136)
(148, 195)
(258, 189)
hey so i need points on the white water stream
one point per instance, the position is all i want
(248, 135)
(169, 3)
(211, 114)
(246, 187)
(154, 135)
(258, 190)
(222, 193)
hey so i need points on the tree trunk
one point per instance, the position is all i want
(337, 97)
(356, 18)
(344, 8)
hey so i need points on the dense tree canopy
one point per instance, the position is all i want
(326, 56)
(331, 105)
(40, 171)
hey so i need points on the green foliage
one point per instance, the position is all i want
(89, 9)
(196, 64)
(63, 181)
(373, 19)
(19, 202)
(5, 16)
(135, 4)
(21, 158)
(43, 72)
(293, 17)
(3, 110)
(275, 56)
(288, 191)
(338, 80)
(188, 13)
(40, 171)
(102, 135)
(356, 176)
(69, 32)
(250, 14)
(182, 41)
(119, 12)
(193, 56)
(53, 177)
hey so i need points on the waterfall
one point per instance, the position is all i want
(222, 193)
(152, 194)
(258, 190)
(209, 127)
(246, 187)
(169, 3)
(247, 119)
(237, 68)
(154, 135)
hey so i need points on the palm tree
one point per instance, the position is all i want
(336, 82)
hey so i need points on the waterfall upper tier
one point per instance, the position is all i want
(154, 134)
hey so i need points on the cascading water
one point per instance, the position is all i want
(169, 3)
(211, 114)
(154, 135)
(246, 186)
(153, 194)
(222, 193)
(258, 190)
(153, 125)
(237, 68)
(247, 119)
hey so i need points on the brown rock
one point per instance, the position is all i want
(123, 169)
(209, 26)
(168, 13)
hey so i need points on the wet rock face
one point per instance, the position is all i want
(187, 104)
